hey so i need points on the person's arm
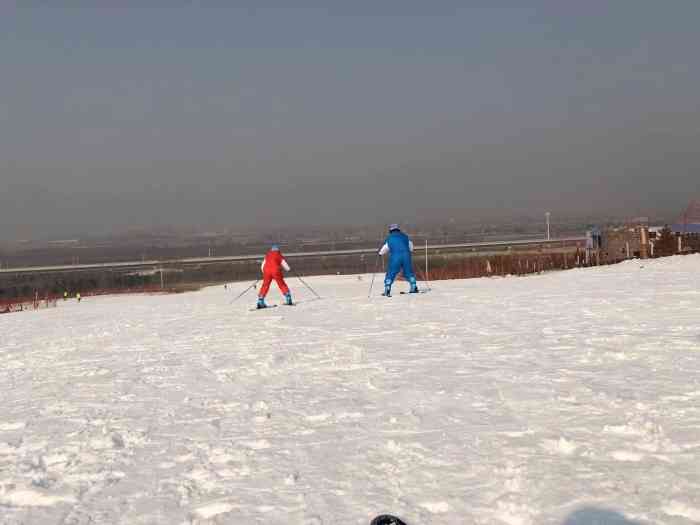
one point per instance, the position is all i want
(285, 266)
(262, 265)
(384, 249)
(410, 245)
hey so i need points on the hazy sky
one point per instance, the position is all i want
(362, 113)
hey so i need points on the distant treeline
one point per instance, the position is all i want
(172, 277)
(25, 286)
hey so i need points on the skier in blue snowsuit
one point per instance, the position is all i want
(399, 248)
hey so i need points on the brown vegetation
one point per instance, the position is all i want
(508, 264)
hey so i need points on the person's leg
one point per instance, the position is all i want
(279, 279)
(391, 273)
(407, 268)
(267, 279)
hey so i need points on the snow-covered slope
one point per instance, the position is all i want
(553, 399)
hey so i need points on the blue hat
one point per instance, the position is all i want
(393, 227)
(275, 248)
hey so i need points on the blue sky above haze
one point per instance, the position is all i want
(382, 111)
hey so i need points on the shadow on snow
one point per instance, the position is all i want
(597, 516)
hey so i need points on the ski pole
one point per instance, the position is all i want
(304, 283)
(371, 285)
(244, 292)
(427, 274)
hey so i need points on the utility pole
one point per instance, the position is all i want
(547, 215)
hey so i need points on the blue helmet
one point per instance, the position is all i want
(275, 248)
(394, 227)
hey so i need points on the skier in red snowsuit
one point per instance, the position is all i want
(272, 268)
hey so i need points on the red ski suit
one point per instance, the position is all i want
(272, 268)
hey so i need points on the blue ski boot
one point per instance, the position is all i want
(387, 290)
(261, 303)
(288, 299)
(414, 286)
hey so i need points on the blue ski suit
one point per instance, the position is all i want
(399, 247)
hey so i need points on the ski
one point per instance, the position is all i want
(406, 293)
(271, 306)
(266, 308)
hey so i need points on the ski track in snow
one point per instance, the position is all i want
(512, 401)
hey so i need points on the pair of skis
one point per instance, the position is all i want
(271, 306)
(409, 293)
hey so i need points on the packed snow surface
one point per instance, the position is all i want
(567, 398)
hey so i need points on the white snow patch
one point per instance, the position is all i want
(212, 509)
(626, 455)
(318, 417)
(437, 507)
(393, 446)
(623, 430)
(33, 498)
(7, 449)
(53, 460)
(260, 444)
(513, 514)
(350, 415)
(678, 508)
(518, 433)
(559, 446)
(8, 427)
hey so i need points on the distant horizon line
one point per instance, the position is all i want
(248, 230)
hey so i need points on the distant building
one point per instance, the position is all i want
(689, 221)
(638, 239)
(687, 229)
(625, 242)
